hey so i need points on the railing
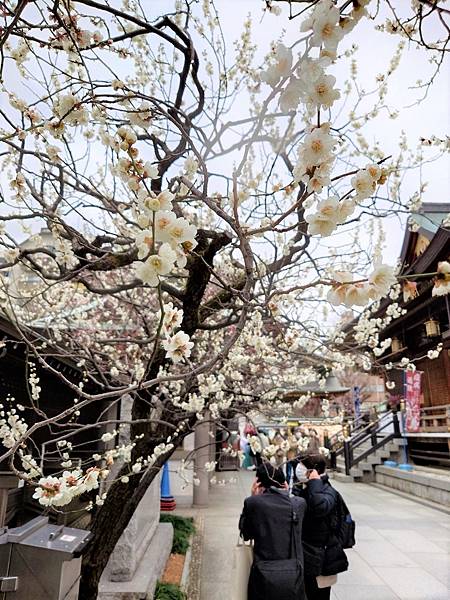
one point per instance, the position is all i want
(336, 441)
(370, 432)
(435, 419)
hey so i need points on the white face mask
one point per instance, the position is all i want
(300, 472)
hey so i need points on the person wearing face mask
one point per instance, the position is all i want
(323, 553)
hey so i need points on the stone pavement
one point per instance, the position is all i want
(402, 550)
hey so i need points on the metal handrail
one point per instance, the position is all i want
(355, 424)
(374, 432)
(371, 432)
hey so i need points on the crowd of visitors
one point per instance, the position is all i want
(280, 446)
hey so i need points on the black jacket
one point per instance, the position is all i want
(321, 505)
(320, 521)
(266, 519)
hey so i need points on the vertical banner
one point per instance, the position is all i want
(413, 380)
(357, 401)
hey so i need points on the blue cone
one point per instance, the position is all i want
(165, 482)
(167, 502)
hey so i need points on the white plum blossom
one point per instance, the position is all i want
(363, 183)
(20, 53)
(30, 465)
(321, 93)
(156, 265)
(12, 429)
(317, 146)
(315, 153)
(49, 492)
(190, 165)
(53, 152)
(290, 97)
(69, 109)
(280, 68)
(108, 436)
(142, 116)
(181, 231)
(357, 294)
(324, 23)
(163, 220)
(374, 171)
(442, 282)
(144, 242)
(172, 317)
(381, 280)
(154, 203)
(324, 221)
(178, 346)
(347, 292)
(330, 212)
(59, 491)
(255, 444)
(127, 136)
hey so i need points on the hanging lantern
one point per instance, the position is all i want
(432, 328)
(396, 345)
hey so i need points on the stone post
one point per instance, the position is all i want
(8, 481)
(202, 453)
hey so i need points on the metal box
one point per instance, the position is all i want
(41, 561)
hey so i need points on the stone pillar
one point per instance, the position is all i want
(202, 452)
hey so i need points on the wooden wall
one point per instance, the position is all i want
(436, 379)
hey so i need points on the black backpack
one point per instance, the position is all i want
(344, 526)
(280, 579)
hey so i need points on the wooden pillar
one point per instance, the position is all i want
(446, 365)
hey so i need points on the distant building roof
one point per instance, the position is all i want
(429, 218)
(330, 386)
(431, 214)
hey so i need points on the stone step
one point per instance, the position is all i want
(356, 473)
(367, 466)
(342, 477)
(365, 469)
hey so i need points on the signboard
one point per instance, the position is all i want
(413, 380)
(357, 401)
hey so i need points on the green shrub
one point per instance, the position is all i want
(168, 591)
(183, 528)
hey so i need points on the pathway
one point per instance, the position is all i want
(402, 550)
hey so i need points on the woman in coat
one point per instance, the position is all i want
(318, 527)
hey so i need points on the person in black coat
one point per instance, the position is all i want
(267, 520)
(319, 524)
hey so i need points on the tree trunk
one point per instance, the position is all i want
(123, 499)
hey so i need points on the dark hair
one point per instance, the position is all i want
(268, 475)
(314, 461)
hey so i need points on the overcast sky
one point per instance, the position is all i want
(376, 49)
(431, 116)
